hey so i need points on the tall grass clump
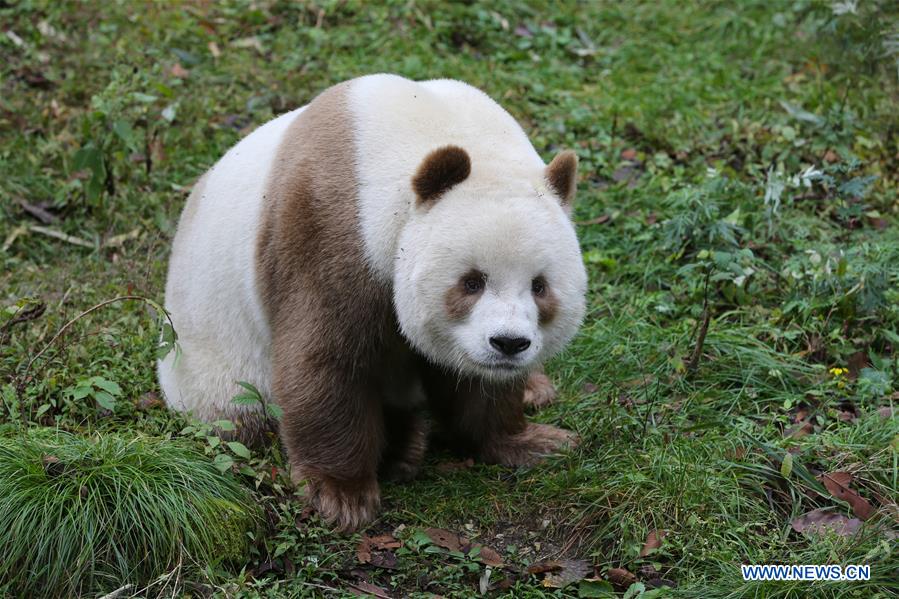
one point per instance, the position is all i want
(84, 514)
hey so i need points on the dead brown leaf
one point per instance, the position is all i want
(375, 550)
(446, 539)
(621, 577)
(363, 551)
(837, 484)
(178, 71)
(821, 521)
(490, 557)
(39, 211)
(594, 221)
(885, 412)
(831, 156)
(544, 566)
(385, 542)
(567, 572)
(362, 588)
(628, 154)
(653, 542)
(149, 400)
(800, 430)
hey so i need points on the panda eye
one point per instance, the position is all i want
(473, 283)
(538, 286)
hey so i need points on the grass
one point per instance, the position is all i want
(695, 123)
(83, 513)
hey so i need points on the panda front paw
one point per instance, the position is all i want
(532, 445)
(539, 391)
(347, 505)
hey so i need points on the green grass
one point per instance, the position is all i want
(80, 513)
(686, 116)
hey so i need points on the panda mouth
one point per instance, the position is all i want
(500, 366)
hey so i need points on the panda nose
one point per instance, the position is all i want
(510, 345)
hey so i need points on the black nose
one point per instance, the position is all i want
(510, 345)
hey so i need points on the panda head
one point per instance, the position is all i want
(489, 279)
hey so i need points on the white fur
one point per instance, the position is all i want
(502, 220)
(211, 290)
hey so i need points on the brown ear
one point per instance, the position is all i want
(440, 170)
(561, 174)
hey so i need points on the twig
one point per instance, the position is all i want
(38, 212)
(697, 351)
(61, 236)
(31, 313)
(118, 592)
(693, 364)
(377, 594)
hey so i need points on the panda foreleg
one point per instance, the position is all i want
(333, 432)
(407, 440)
(486, 418)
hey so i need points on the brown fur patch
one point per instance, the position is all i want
(547, 306)
(459, 302)
(440, 170)
(334, 332)
(486, 418)
(561, 174)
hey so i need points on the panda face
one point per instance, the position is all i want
(490, 282)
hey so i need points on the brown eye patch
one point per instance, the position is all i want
(461, 297)
(547, 303)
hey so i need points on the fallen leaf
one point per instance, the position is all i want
(621, 577)
(52, 465)
(569, 571)
(39, 211)
(375, 551)
(384, 559)
(363, 551)
(249, 42)
(544, 566)
(594, 221)
(830, 156)
(362, 588)
(837, 484)
(628, 154)
(879, 223)
(653, 542)
(157, 151)
(446, 539)
(178, 71)
(149, 400)
(800, 430)
(885, 412)
(385, 542)
(523, 31)
(659, 582)
(490, 557)
(823, 520)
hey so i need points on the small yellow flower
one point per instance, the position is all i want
(838, 371)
